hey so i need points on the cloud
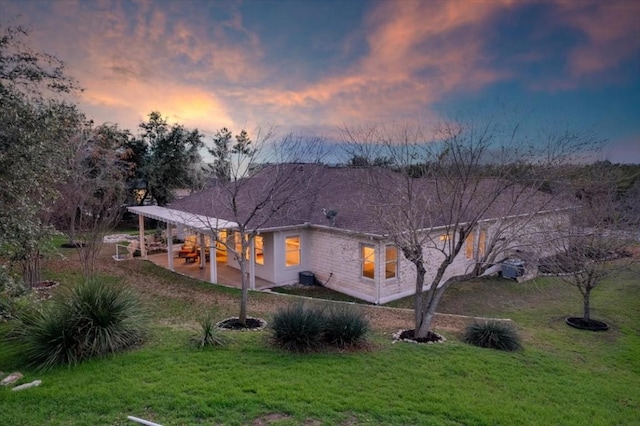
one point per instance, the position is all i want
(417, 53)
(612, 31)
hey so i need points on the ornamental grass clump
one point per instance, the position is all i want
(92, 319)
(345, 327)
(209, 334)
(493, 334)
(298, 328)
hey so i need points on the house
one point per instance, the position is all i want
(311, 218)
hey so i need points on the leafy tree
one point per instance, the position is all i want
(34, 125)
(167, 157)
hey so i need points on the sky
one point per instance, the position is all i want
(318, 66)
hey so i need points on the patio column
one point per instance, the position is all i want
(252, 264)
(170, 247)
(143, 248)
(213, 264)
(203, 260)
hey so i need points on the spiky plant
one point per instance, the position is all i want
(209, 333)
(298, 328)
(345, 326)
(92, 319)
(493, 334)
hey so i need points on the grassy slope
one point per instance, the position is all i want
(564, 376)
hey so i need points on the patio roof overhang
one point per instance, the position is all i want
(196, 222)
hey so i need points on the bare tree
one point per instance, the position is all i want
(91, 197)
(600, 231)
(260, 184)
(460, 199)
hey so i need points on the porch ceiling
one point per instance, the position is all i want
(203, 224)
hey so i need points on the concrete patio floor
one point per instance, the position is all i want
(227, 276)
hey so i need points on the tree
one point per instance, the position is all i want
(259, 183)
(34, 125)
(92, 195)
(599, 232)
(167, 158)
(435, 204)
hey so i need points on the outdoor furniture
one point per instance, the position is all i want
(191, 257)
(187, 249)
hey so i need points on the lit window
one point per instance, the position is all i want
(482, 242)
(368, 258)
(259, 249)
(391, 262)
(445, 237)
(469, 246)
(238, 243)
(292, 251)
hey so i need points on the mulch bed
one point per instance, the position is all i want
(409, 336)
(235, 324)
(591, 325)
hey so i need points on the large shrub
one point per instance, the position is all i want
(344, 326)
(92, 319)
(298, 328)
(492, 334)
(301, 328)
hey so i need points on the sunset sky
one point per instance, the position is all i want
(315, 66)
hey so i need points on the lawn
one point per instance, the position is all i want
(562, 377)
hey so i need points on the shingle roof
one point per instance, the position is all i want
(296, 194)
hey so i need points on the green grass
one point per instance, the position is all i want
(562, 377)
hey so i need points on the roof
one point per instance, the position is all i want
(176, 217)
(289, 195)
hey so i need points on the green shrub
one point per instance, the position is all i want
(298, 328)
(209, 334)
(345, 326)
(92, 319)
(493, 334)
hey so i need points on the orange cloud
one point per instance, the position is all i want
(418, 51)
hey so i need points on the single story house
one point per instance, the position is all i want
(324, 220)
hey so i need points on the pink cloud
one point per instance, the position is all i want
(418, 52)
(612, 30)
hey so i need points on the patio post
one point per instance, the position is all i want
(143, 248)
(203, 260)
(170, 247)
(213, 262)
(252, 264)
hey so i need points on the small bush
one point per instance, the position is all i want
(209, 334)
(298, 328)
(345, 326)
(93, 319)
(492, 334)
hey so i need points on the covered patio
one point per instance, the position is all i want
(214, 271)
(226, 276)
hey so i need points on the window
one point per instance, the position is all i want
(238, 243)
(482, 242)
(390, 262)
(471, 250)
(258, 242)
(469, 246)
(292, 251)
(368, 260)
